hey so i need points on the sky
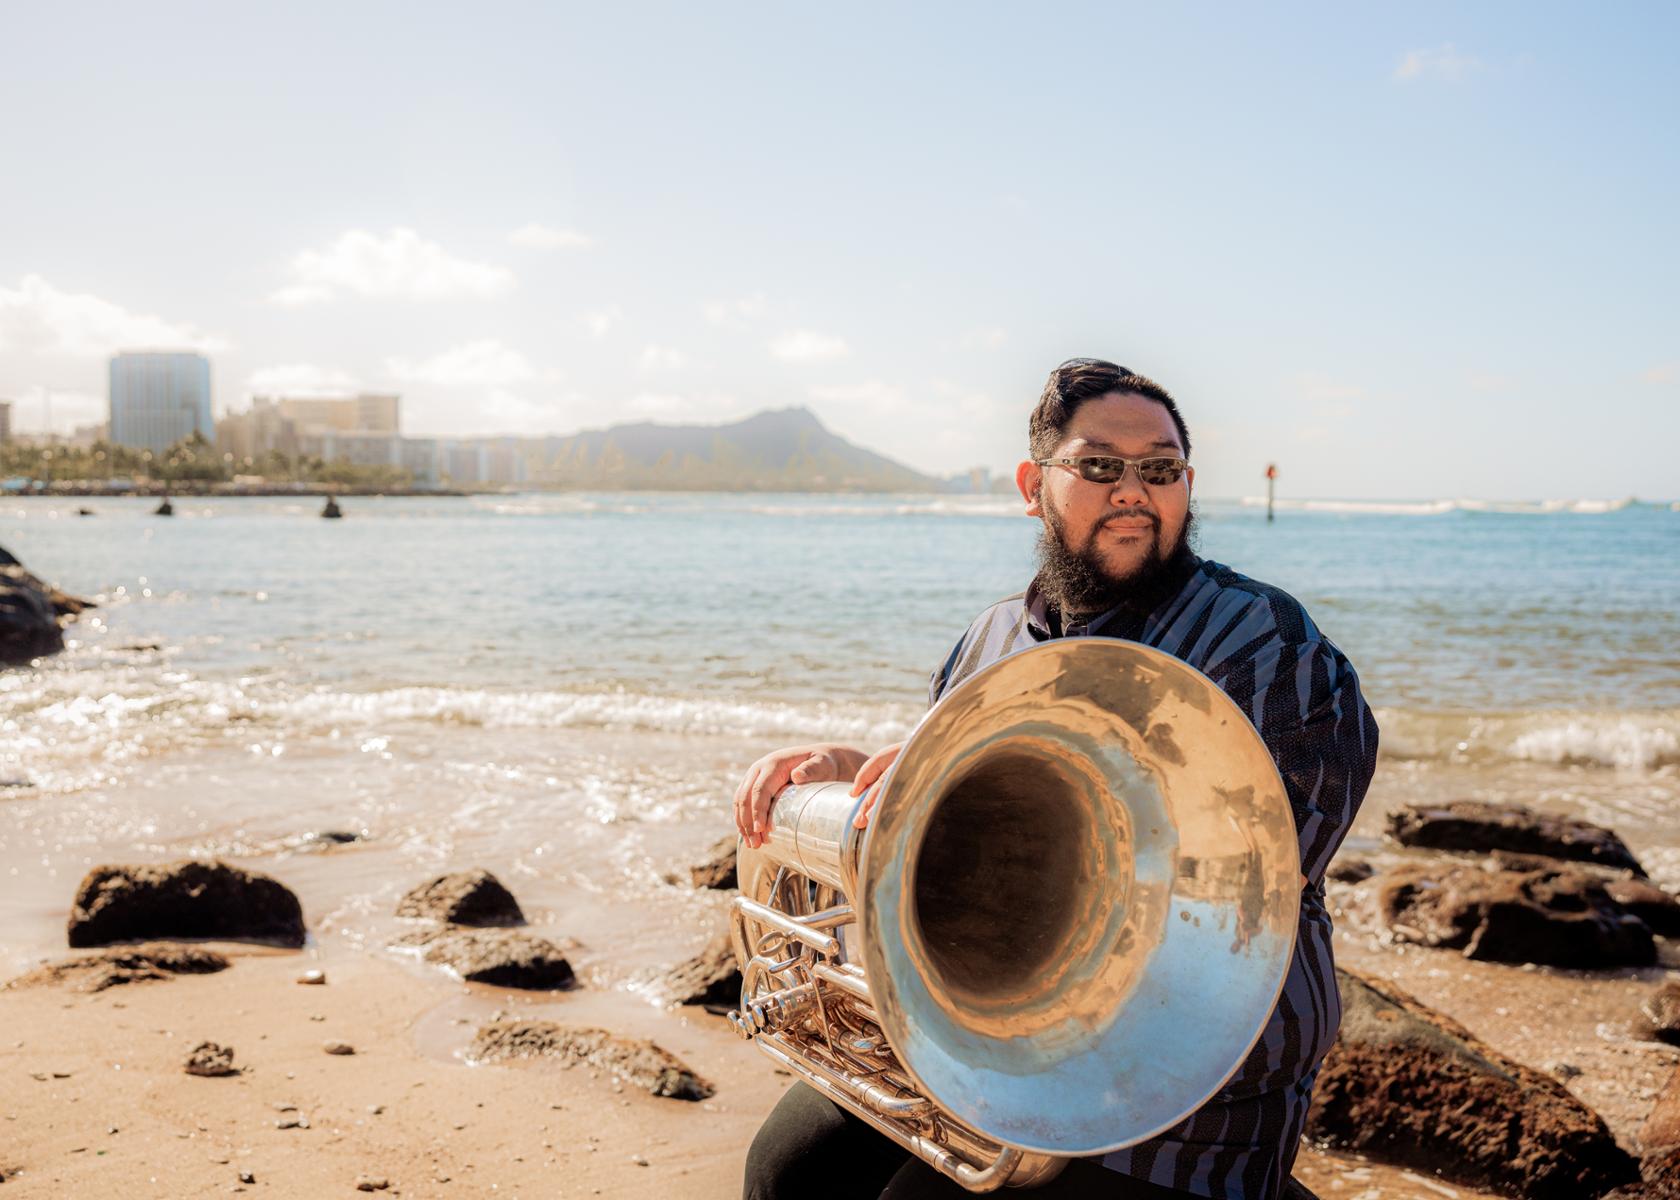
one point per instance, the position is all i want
(1419, 251)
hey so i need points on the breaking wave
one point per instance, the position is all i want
(1629, 741)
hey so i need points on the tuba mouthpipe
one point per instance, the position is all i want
(811, 833)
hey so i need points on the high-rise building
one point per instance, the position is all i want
(159, 397)
(5, 421)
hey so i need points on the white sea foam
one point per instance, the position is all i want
(1437, 508)
(62, 730)
(1632, 741)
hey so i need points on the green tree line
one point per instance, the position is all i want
(192, 460)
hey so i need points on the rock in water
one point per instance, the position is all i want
(32, 613)
(463, 898)
(188, 899)
(717, 870)
(504, 957)
(636, 1061)
(1558, 916)
(207, 1058)
(1409, 1086)
(124, 964)
(1477, 826)
(711, 978)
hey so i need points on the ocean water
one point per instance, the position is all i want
(564, 688)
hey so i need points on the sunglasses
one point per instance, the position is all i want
(1111, 469)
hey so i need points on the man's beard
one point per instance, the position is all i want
(1076, 581)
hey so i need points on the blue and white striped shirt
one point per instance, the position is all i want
(1263, 650)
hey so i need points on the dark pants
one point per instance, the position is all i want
(810, 1148)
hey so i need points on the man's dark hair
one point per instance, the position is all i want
(1081, 379)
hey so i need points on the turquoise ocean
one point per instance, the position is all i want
(564, 688)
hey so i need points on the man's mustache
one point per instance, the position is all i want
(1153, 519)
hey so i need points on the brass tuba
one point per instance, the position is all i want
(1066, 925)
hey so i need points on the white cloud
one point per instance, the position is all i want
(1319, 387)
(600, 322)
(737, 313)
(484, 363)
(872, 396)
(663, 358)
(542, 237)
(991, 338)
(398, 265)
(804, 345)
(1444, 61)
(300, 379)
(1662, 373)
(37, 318)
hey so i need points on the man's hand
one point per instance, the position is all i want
(822, 763)
(868, 775)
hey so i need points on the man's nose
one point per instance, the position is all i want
(1128, 490)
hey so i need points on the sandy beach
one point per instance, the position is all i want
(95, 1099)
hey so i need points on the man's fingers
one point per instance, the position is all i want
(764, 790)
(819, 768)
(874, 767)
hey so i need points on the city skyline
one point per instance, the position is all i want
(1406, 255)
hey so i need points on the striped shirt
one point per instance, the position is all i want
(1263, 650)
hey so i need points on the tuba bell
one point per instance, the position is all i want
(1064, 928)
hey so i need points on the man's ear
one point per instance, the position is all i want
(1189, 480)
(1029, 477)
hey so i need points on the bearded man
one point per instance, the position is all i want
(1110, 479)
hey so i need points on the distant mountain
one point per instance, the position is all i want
(787, 450)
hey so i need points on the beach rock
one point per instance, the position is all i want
(338, 1048)
(1477, 826)
(372, 1183)
(188, 899)
(1649, 903)
(635, 1061)
(209, 1059)
(1557, 916)
(463, 898)
(1659, 1015)
(711, 978)
(1408, 1086)
(1662, 1127)
(1660, 1175)
(313, 977)
(717, 870)
(124, 964)
(1350, 870)
(32, 614)
(504, 957)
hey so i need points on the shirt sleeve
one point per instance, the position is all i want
(942, 673)
(1304, 699)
